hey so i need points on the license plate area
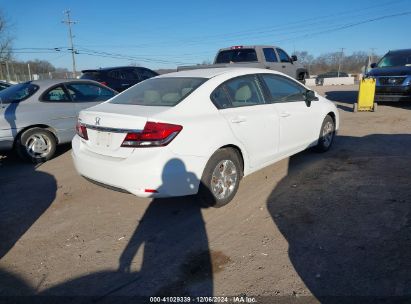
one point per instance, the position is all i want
(103, 139)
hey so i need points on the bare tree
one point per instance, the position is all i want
(5, 39)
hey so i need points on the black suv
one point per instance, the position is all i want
(393, 76)
(119, 78)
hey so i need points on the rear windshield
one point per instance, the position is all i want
(18, 92)
(90, 75)
(395, 59)
(237, 55)
(159, 91)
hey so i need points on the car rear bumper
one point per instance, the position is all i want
(145, 169)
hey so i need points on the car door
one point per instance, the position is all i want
(286, 63)
(299, 124)
(85, 95)
(57, 110)
(272, 61)
(253, 122)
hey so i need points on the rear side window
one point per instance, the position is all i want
(283, 56)
(124, 74)
(84, 92)
(270, 55)
(18, 92)
(282, 89)
(159, 91)
(237, 55)
(56, 94)
(238, 92)
(91, 75)
(146, 74)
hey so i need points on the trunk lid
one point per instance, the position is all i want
(108, 124)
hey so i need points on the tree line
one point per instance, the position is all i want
(353, 64)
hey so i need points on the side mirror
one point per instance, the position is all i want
(373, 65)
(309, 97)
(294, 58)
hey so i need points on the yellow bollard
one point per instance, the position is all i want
(366, 96)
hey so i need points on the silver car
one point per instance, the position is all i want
(35, 116)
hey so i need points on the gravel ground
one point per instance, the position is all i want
(310, 227)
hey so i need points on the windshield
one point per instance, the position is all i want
(237, 55)
(18, 92)
(395, 60)
(159, 91)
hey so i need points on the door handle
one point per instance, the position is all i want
(238, 119)
(284, 114)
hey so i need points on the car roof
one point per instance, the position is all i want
(407, 51)
(112, 68)
(234, 48)
(213, 72)
(50, 82)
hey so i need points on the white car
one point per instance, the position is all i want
(199, 131)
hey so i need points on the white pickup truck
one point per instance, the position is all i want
(257, 56)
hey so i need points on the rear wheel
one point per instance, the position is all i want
(301, 77)
(221, 178)
(327, 134)
(36, 145)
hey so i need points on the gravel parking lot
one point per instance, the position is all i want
(333, 224)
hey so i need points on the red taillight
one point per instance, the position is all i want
(155, 134)
(104, 83)
(236, 47)
(150, 191)
(81, 130)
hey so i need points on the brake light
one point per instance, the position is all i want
(150, 191)
(81, 130)
(104, 83)
(155, 134)
(236, 47)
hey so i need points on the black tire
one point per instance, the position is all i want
(327, 134)
(206, 193)
(26, 141)
(302, 77)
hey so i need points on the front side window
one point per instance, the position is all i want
(56, 94)
(159, 91)
(237, 55)
(238, 92)
(270, 55)
(18, 92)
(282, 89)
(87, 92)
(283, 56)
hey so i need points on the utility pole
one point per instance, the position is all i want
(8, 72)
(372, 55)
(28, 67)
(69, 22)
(340, 61)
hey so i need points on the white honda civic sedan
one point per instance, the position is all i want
(199, 131)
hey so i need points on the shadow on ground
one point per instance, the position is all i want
(349, 98)
(176, 259)
(347, 217)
